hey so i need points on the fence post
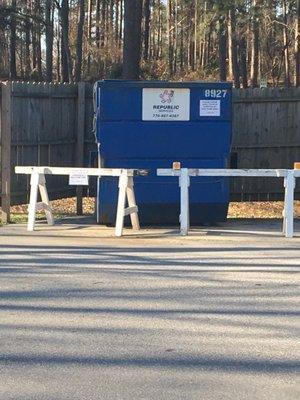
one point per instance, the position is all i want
(80, 141)
(6, 129)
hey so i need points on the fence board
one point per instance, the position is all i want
(6, 134)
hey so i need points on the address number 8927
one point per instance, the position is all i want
(215, 94)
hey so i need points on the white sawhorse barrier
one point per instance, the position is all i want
(184, 175)
(126, 192)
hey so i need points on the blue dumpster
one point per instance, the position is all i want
(149, 125)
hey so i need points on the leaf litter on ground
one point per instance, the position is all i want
(253, 209)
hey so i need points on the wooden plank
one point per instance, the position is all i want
(6, 132)
(45, 200)
(68, 170)
(123, 182)
(184, 183)
(47, 142)
(132, 207)
(80, 141)
(280, 173)
(288, 220)
(45, 96)
(34, 186)
(131, 210)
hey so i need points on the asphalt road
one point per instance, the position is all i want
(87, 316)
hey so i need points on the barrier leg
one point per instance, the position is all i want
(288, 218)
(123, 183)
(132, 205)
(184, 183)
(98, 200)
(45, 199)
(34, 185)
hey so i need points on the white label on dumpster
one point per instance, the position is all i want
(166, 104)
(78, 177)
(210, 108)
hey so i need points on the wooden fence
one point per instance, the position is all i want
(43, 124)
(266, 134)
(52, 124)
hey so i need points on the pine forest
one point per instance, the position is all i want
(248, 42)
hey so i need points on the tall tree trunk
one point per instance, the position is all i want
(58, 52)
(34, 31)
(80, 24)
(39, 55)
(181, 58)
(271, 47)
(195, 65)
(159, 33)
(27, 30)
(222, 48)
(121, 20)
(132, 38)
(170, 36)
(208, 44)
(90, 10)
(3, 52)
(147, 14)
(243, 61)
(12, 45)
(204, 40)
(49, 39)
(117, 15)
(38, 12)
(297, 46)
(103, 23)
(232, 47)
(66, 62)
(97, 37)
(175, 34)
(21, 57)
(255, 44)
(287, 79)
(107, 22)
(191, 12)
(111, 20)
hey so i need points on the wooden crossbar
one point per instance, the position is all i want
(279, 173)
(71, 170)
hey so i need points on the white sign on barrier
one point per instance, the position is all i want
(79, 177)
(166, 104)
